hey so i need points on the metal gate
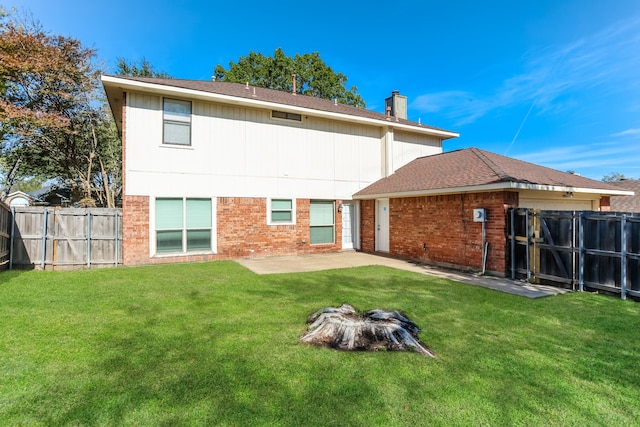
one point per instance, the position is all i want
(576, 249)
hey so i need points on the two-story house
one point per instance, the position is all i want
(215, 170)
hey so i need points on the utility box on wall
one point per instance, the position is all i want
(479, 215)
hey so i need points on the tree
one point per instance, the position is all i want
(614, 177)
(313, 77)
(27, 184)
(144, 69)
(54, 125)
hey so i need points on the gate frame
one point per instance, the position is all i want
(578, 249)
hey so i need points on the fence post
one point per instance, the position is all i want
(44, 237)
(12, 237)
(573, 250)
(528, 254)
(115, 216)
(88, 238)
(581, 251)
(623, 256)
(513, 243)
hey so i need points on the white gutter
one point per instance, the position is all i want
(126, 84)
(493, 187)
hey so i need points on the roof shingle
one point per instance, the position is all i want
(627, 203)
(473, 167)
(246, 91)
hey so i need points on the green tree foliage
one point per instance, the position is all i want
(614, 177)
(143, 69)
(27, 184)
(313, 76)
(54, 123)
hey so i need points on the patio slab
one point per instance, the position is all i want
(306, 263)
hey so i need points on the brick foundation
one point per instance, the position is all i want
(242, 231)
(445, 225)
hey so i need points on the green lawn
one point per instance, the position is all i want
(215, 344)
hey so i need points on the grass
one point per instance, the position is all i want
(214, 344)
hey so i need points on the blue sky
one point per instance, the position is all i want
(556, 83)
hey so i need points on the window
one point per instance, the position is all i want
(281, 211)
(286, 116)
(322, 220)
(183, 225)
(176, 122)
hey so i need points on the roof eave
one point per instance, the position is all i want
(492, 187)
(111, 82)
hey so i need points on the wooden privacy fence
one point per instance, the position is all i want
(65, 238)
(5, 237)
(578, 249)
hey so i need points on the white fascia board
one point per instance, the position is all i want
(256, 103)
(496, 186)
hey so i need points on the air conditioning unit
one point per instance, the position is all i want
(479, 215)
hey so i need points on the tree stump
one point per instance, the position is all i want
(343, 328)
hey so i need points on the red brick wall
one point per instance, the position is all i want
(242, 231)
(445, 224)
(605, 203)
(135, 230)
(368, 225)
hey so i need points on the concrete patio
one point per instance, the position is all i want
(306, 263)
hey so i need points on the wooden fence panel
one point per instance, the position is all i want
(555, 246)
(64, 238)
(27, 238)
(5, 235)
(598, 250)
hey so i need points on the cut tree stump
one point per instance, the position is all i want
(343, 329)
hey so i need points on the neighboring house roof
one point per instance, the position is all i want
(41, 192)
(627, 203)
(473, 169)
(18, 198)
(244, 94)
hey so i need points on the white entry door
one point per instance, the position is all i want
(349, 226)
(382, 225)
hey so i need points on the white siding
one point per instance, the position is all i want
(408, 146)
(243, 152)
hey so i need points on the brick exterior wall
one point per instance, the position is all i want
(135, 230)
(368, 225)
(242, 231)
(445, 225)
(605, 204)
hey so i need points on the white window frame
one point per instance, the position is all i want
(333, 225)
(176, 119)
(153, 229)
(270, 221)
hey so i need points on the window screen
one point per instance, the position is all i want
(322, 221)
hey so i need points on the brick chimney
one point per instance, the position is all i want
(398, 105)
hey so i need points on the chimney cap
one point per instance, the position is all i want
(395, 92)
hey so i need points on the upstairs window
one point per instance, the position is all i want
(286, 116)
(176, 122)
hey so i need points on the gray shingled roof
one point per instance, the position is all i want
(245, 91)
(627, 203)
(473, 167)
